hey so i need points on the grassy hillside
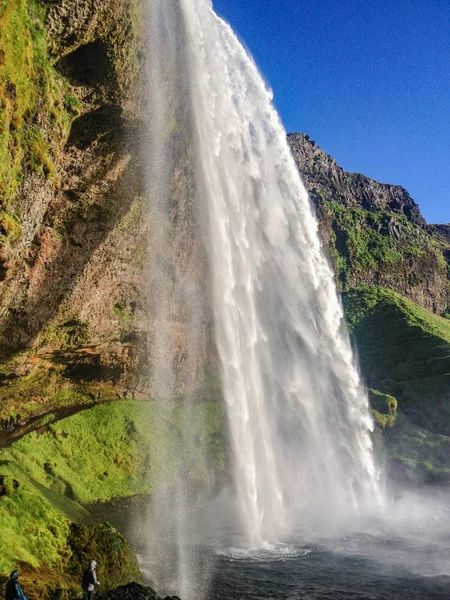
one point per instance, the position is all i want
(109, 451)
(404, 352)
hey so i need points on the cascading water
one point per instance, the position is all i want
(298, 413)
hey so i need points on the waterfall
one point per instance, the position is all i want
(298, 412)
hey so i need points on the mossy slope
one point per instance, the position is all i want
(109, 451)
(404, 352)
(36, 106)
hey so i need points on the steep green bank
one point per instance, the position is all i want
(404, 352)
(36, 107)
(110, 451)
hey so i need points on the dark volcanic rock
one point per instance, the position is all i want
(441, 232)
(321, 171)
(374, 232)
(133, 591)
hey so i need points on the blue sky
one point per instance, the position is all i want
(369, 80)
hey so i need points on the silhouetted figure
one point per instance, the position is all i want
(13, 589)
(11, 423)
(99, 397)
(90, 580)
(18, 421)
(125, 394)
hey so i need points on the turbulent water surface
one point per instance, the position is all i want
(402, 555)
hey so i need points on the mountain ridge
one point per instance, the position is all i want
(374, 233)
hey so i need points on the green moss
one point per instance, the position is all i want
(10, 227)
(116, 562)
(70, 334)
(124, 313)
(384, 403)
(109, 451)
(383, 420)
(42, 388)
(404, 351)
(363, 240)
(33, 531)
(384, 408)
(29, 88)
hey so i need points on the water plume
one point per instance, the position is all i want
(298, 413)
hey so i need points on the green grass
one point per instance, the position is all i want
(363, 240)
(114, 450)
(118, 449)
(29, 87)
(404, 351)
(417, 454)
(33, 530)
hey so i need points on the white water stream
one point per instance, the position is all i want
(298, 413)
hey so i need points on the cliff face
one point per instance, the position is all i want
(81, 258)
(374, 232)
(73, 228)
(321, 171)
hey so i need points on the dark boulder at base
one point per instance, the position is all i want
(133, 591)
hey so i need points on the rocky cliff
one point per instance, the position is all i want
(374, 232)
(81, 261)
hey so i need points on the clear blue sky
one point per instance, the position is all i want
(369, 80)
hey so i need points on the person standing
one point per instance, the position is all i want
(90, 580)
(13, 589)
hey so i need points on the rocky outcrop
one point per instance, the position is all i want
(321, 172)
(82, 254)
(133, 591)
(373, 232)
(441, 232)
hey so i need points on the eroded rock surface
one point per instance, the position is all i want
(374, 232)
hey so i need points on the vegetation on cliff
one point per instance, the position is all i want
(36, 105)
(364, 242)
(404, 352)
(374, 232)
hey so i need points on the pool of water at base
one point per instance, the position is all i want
(392, 562)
